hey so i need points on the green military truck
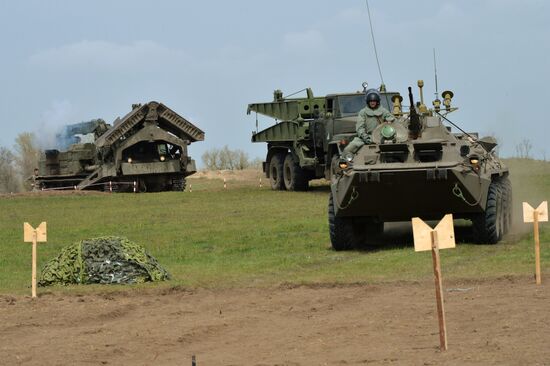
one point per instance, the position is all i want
(303, 144)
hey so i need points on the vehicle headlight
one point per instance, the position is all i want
(343, 164)
(474, 162)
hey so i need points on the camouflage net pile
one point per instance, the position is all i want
(102, 260)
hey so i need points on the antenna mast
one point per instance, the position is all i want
(383, 86)
(374, 42)
(435, 72)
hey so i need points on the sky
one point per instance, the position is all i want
(67, 61)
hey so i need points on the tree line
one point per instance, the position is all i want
(18, 164)
(227, 159)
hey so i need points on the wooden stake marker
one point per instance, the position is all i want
(540, 214)
(442, 237)
(32, 235)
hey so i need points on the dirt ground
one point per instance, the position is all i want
(251, 175)
(494, 322)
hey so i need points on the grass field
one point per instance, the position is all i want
(250, 236)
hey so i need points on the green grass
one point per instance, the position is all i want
(247, 236)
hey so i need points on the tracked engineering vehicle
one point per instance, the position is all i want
(417, 167)
(302, 144)
(146, 150)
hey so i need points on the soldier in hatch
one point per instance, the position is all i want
(367, 120)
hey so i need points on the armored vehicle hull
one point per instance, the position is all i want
(425, 172)
(146, 150)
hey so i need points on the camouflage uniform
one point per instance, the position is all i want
(32, 181)
(367, 120)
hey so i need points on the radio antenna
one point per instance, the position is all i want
(376, 54)
(374, 42)
(435, 73)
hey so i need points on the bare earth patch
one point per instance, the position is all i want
(252, 175)
(491, 322)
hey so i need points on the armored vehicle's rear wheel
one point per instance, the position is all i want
(489, 226)
(345, 234)
(276, 171)
(295, 178)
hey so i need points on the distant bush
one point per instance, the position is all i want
(256, 163)
(523, 149)
(18, 166)
(225, 159)
(9, 179)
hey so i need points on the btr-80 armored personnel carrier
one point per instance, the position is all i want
(416, 167)
(146, 150)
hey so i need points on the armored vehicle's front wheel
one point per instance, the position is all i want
(490, 226)
(276, 171)
(345, 234)
(294, 177)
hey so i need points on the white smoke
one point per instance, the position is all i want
(59, 114)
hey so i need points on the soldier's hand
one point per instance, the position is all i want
(367, 138)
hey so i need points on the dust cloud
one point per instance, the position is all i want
(530, 183)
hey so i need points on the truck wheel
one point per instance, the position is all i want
(487, 226)
(276, 171)
(294, 177)
(344, 234)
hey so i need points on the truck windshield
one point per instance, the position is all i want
(350, 105)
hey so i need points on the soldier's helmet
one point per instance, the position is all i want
(372, 95)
